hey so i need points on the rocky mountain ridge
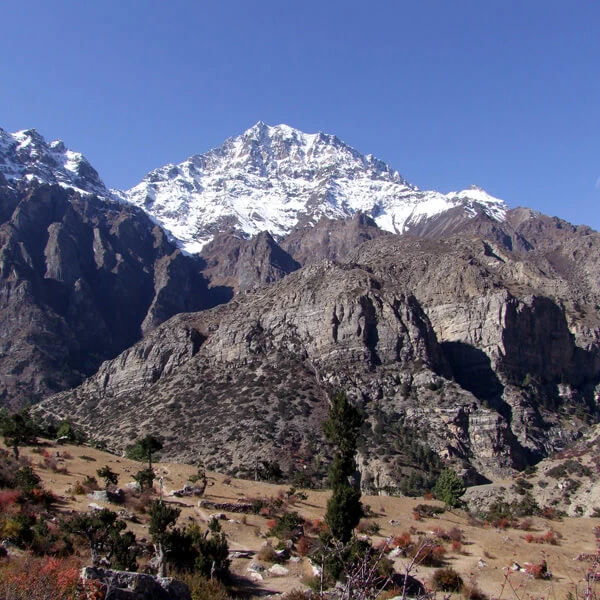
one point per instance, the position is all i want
(81, 279)
(26, 155)
(471, 339)
(458, 339)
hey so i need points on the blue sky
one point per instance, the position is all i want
(503, 94)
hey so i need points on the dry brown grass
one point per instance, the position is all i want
(497, 548)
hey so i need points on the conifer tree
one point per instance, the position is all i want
(342, 429)
(449, 488)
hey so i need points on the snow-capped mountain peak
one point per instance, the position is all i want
(273, 177)
(26, 155)
(268, 178)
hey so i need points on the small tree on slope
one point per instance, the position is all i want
(449, 488)
(342, 428)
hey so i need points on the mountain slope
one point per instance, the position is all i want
(272, 178)
(460, 344)
(81, 279)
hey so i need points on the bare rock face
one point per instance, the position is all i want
(332, 239)
(250, 380)
(480, 352)
(80, 280)
(508, 324)
(242, 265)
(137, 586)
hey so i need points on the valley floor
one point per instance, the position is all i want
(485, 557)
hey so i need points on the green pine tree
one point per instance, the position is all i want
(342, 428)
(449, 488)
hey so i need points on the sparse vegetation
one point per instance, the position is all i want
(145, 448)
(193, 552)
(17, 429)
(569, 467)
(109, 476)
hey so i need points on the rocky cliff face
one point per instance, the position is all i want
(81, 279)
(239, 264)
(459, 343)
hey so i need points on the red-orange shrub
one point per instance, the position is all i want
(550, 538)
(428, 554)
(502, 523)
(525, 524)
(48, 578)
(549, 513)
(303, 546)
(538, 571)
(8, 498)
(402, 541)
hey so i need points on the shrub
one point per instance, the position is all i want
(427, 511)
(202, 588)
(447, 580)
(471, 591)
(449, 488)
(303, 546)
(70, 432)
(48, 578)
(538, 571)
(368, 527)
(427, 553)
(501, 524)
(8, 498)
(268, 554)
(525, 524)
(26, 479)
(87, 458)
(91, 483)
(550, 537)
(549, 512)
(569, 467)
(145, 478)
(286, 525)
(402, 541)
(522, 486)
(316, 526)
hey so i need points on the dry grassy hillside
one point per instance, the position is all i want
(484, 556)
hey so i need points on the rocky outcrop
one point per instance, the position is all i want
(81, 279)
(250, 380)
(331, 239)
(244, 264)
(123, 585)
(459, 345)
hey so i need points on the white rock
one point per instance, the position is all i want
(278, 571)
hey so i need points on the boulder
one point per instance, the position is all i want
(137, 586)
